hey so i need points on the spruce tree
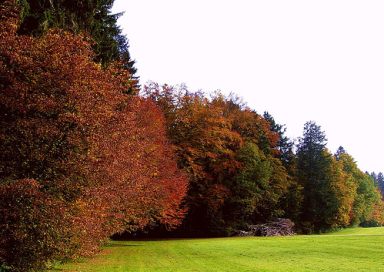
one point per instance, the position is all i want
(284, 144)
(320, 175)
(380, 183)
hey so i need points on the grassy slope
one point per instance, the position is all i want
(348, 250)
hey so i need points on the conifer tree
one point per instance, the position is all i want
(284, 144)
(321, 177)
(380, 182)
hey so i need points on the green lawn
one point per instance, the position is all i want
(347, 250)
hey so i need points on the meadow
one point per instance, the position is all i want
(359, 249)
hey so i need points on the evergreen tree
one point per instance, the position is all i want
(380, 182)
(284, 144)
(373, 175)
(340, 151)
(321, 178)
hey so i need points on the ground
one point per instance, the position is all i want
(349, 250)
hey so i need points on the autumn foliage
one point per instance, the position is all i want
(229, 152)
(80, 160)
(243, 170)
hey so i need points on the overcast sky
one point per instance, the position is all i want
(299, 60)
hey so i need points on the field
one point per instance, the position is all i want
(347, 250)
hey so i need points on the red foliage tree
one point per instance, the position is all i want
(99, 155)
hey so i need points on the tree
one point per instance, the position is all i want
(257, 189)
(323, 182)
(361, 187)
(380, 182)
(284, 145)
(81, 159)
(291, 202)
(374, 177)
(93, 18)
(340, 152)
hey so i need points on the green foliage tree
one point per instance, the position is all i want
(257, 188)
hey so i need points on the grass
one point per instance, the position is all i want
(347, 250)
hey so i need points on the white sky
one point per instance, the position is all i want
(300, 60)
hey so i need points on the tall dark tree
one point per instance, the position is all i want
(284, 145)
(321, 178)
(310, 165)
(380, 182)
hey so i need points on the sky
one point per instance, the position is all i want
(300, 60)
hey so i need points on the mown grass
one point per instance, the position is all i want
(346, 250)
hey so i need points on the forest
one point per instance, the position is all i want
(86, 152)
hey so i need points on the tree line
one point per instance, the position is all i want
(243, 169)
(85, 155)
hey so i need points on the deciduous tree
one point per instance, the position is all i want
(96, 160)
